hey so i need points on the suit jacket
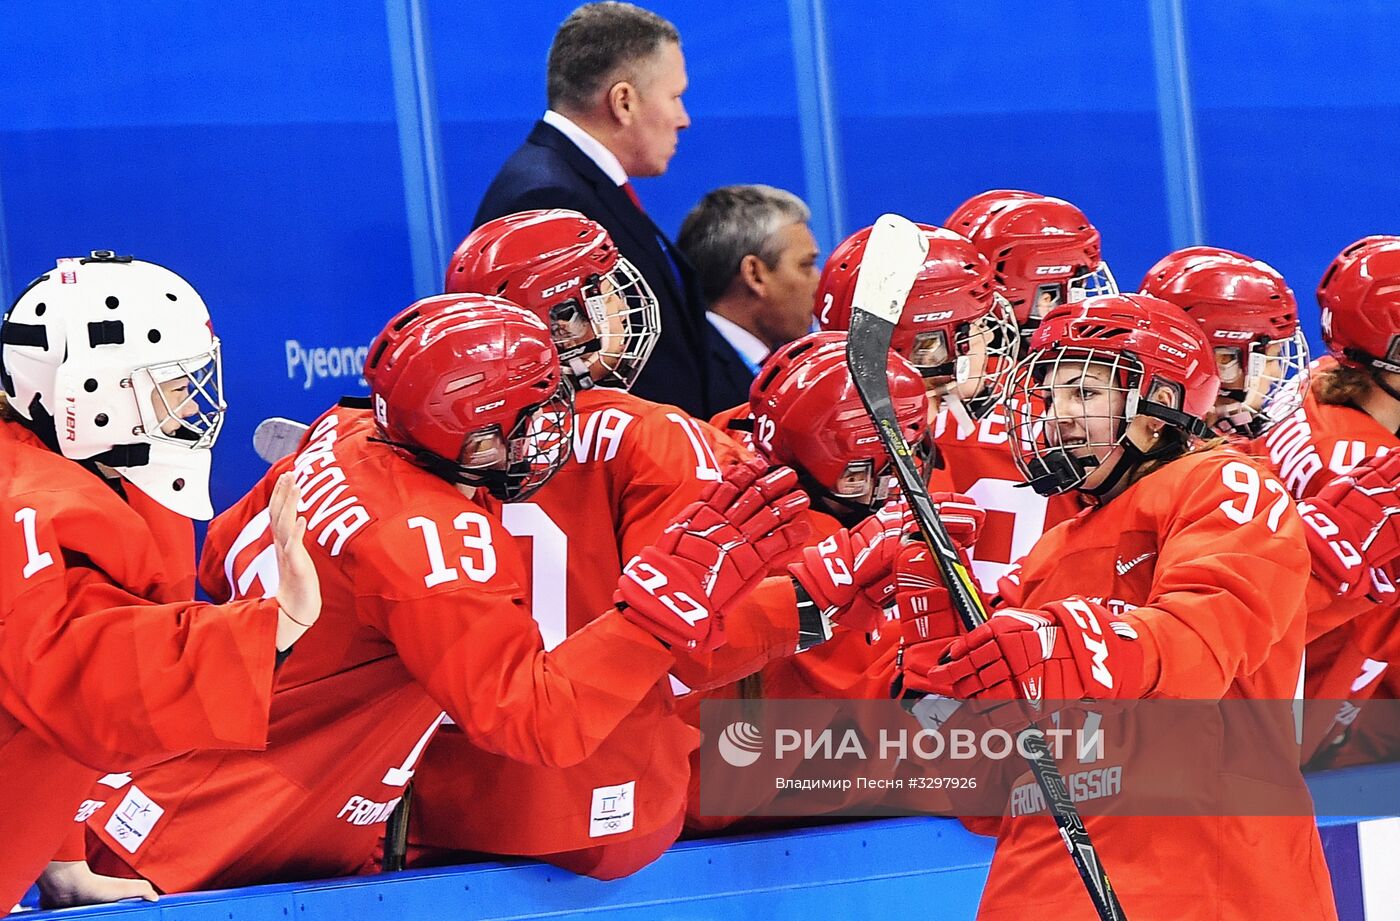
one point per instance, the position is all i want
(549, 171)
(729, 377)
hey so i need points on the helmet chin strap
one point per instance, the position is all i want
(846, 511)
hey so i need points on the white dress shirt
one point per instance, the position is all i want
(590, 145)
(750, 348)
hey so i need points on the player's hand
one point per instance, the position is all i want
(1336, 562)
(1354, 523)
(67, 883)
(716, 551)
(961, 516)
(927, 622)
(1073, 649)
(850, 575)
(298, 586)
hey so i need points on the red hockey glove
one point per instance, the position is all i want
(1355, 524)
(1335, 560)
(1067, 650)
(716, 550)
(850, 575)
(927, 623)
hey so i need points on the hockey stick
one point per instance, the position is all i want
(892, 260)
(276, 437)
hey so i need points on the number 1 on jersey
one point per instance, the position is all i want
(36, 561)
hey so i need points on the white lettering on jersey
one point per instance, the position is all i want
(1347, 454)
(549, 568)
(1126, 566)
(600, 435)
(706, 466)
(361, 811)
(323, 487)
(37, 561)
(1028, 510)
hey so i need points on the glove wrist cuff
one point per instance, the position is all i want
(813, 624)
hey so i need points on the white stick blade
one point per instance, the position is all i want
(276, 437)
(893, 257)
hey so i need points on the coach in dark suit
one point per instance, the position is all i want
(615, 79)
(756, 259)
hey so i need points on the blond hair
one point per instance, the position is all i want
(1342, 386)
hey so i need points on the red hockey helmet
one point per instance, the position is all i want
(1093, 367)
(1360, 299)
(1044, 252)
(1250, 318)
(969, 217)
(808, 415)
(469, 387)
(565, 269)
(956, 328)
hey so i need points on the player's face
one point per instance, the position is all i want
(658, 115)
(790, 287)
(613, 337)
(172, 402)
(930, 350)
(1084, 414)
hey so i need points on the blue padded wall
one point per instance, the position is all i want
(257, 149)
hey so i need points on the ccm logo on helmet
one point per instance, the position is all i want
(562, 286)
(1162, 346)
(1053, 269)
(932, 317)
(1232, 334)
(490, 406)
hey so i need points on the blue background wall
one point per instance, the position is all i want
(308, 167)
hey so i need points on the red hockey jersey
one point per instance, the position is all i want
(636, 465)
(977, 462)
(105, 661)
(1206, 557)
(424, 611)
(1349, 640)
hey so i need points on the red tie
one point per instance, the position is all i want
(632, 194)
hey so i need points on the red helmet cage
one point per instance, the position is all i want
(1227, 293)
(1043, 245)
(1166, 344)
(952, 292)
(808, 415)
(552, 263)
(1360, 299)
(453, 366)
(1145, 344)
(969, 217)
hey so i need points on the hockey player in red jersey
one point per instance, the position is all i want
(635, 465)
(1185, 579)
(1250, 317)
(1350, 413)
(805, 413)
(111, 403)
(958, 330)
(426, 608)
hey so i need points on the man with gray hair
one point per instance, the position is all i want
(614, 82)
(757, 262)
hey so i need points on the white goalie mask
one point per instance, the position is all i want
(119, 357)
